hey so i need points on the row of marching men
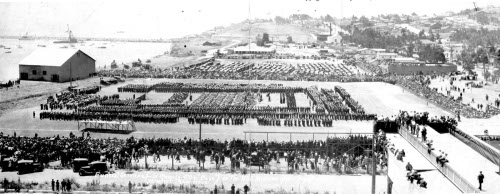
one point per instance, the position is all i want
(217, 120)
(266, 121)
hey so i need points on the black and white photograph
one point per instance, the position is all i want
(250, 96)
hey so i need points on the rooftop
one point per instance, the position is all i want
(49, 57)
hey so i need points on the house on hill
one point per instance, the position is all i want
(56, 65)
(211, 44)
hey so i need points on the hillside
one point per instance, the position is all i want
(278, 32)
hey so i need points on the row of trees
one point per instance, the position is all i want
(431, 54)
(372, 38)
(474, 38)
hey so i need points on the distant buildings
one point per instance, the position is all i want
(252, 49)
(386, 56)
(56, 65)
(366, 51)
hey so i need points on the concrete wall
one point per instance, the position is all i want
(411, 69)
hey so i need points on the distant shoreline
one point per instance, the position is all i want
(83, 39)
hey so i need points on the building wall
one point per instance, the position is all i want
(49, 71)
(79, 66)
(411, 69)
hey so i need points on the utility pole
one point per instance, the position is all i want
(70, 76)
(249, 28)
(374, 164)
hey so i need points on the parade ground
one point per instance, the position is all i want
(378, 98)
(383, 99)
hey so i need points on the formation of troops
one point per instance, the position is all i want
(218, 104)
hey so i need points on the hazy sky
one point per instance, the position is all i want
(172, 18)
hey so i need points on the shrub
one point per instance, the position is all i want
(162, 188)
(244, 171)
(106, 188)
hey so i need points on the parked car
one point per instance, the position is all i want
(79, 163)
(8, 164)
(28, 166)
(94, 168)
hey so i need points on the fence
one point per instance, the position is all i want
(445, 169)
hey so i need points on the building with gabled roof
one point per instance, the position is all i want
(56, 65)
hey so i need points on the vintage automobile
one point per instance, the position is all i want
(8, 164)
(78, 163)
(256, 160)
(28, 166)
(94, 168)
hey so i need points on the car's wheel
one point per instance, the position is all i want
(81, 173)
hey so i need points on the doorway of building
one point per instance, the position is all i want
(55, 78)
(24, 76)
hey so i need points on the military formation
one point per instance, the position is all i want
(218, 104)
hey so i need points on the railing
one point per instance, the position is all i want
(445, 169)
(486, 150)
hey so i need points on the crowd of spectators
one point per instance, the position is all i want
(420, 86)
(340, 153)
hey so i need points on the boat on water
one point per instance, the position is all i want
(71, 38)
(102, 47)
(64, 47)
(8, 52)
(41, 45)
(26, 37)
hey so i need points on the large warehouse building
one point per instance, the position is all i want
(56, 65)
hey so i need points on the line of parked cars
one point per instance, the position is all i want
(80, 165)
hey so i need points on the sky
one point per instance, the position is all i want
(175, 18)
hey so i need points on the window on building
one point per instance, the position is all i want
(34, 72)
(44, 72)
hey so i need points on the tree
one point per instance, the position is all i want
(265, 38)
(280, 20)
(496, 75)
(396, 19)
(487, 75)
(482, 18)
(329, 18)
(437, 26)
(411, 47)
(431, 35)
(365, 21)
(421, 34)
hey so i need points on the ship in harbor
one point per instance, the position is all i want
(26, 37)
(71, 38)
